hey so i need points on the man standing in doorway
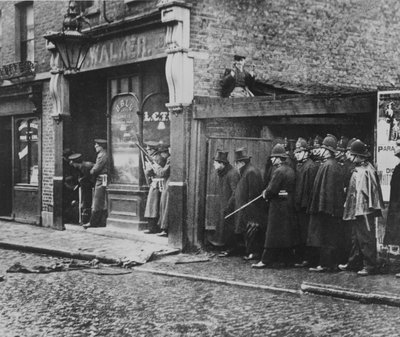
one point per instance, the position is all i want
(85, 185)
(363, 203)
(99, 173)
(249, 221)
(227, 180)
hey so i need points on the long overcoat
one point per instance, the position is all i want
(326, 206)
(227, 180)
(327, 194)
(164, 172)
(152, 209)
(392, 233)
(249, 186)
(305, 176)
(364, 195)
(99, 169)
(281, 229)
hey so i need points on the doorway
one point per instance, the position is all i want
(5, 167)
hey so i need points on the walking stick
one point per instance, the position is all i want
(244, 206)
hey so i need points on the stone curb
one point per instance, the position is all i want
(362, 297)
(72, 254)
(218, 280)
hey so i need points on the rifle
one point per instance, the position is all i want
(281, 194)
(148, 157)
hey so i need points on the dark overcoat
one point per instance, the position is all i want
(327, 194)
(281, 229)
(392, 233)
(100, 168)
(305, 176)
(227, 180)
(326, 206)
(348, 168)
(249, 187)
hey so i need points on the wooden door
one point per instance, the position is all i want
(258, 148)
(5, 166)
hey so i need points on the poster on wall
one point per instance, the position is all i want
(388, 132)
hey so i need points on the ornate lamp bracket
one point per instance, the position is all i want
(179, 65)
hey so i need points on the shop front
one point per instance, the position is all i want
(20, 148)
(120, 95)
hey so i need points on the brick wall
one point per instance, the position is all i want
(338, 42)
(49, 15)
(47, 151)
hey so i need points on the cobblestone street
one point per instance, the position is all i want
(89, 303)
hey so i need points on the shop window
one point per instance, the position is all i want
(124, 135)
(26, 31)
(27, 162)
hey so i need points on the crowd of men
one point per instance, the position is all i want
(315, 207)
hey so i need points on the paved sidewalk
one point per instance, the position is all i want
(75, 242)
(110, 247)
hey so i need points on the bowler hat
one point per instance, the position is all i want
(329, 143)
(342, 144)
(75, 156)
(359, 148)
(241, 154)
(301, 145)
(279, 151)
(238, 57)
(222, 157)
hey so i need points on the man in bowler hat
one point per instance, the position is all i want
(248, 221)
(227, 180)
(99, 173)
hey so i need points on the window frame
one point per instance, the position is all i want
(20, 14)
(17, 161)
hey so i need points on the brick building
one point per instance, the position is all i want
(319, 65)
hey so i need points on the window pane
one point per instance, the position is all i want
(28, 152)
(30, 50)
(124, 134)
(23, 152)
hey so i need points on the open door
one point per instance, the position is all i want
(5, 167)
(258, 148)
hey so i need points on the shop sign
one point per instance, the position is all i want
(126, 49)
(16, 70)
(388, 132)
